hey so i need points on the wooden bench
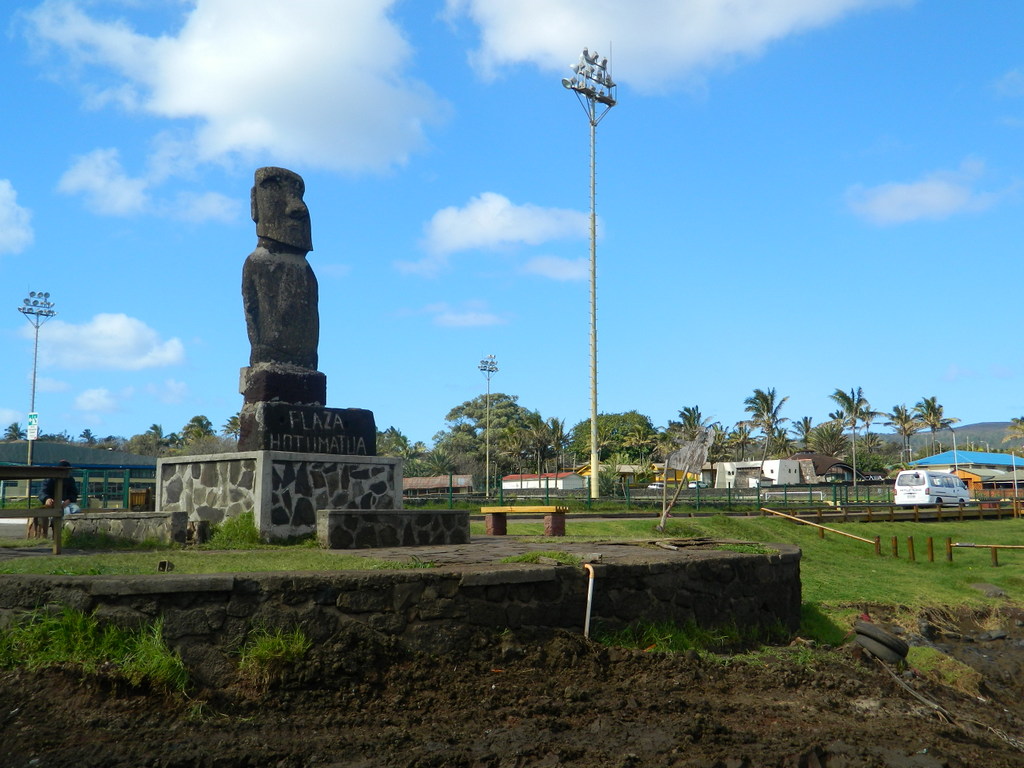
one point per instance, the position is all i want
(496, 523)
(54, 514)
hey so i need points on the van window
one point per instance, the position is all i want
(910, 480)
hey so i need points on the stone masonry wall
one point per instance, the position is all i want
(283, 490)
(167, 528)
(207, 617)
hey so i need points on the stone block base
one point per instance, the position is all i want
(495, 524)
(554, 525)
(283, 490)
(363, 529)
(165, 527)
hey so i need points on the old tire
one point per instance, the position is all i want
(879, 635)
(876, 649)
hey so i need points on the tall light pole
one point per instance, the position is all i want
(489, 367)
(37, 309)
(956, 467)
(595, 89)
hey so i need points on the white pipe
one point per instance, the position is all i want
(590, 598)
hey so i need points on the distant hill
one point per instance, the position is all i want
(983, 436)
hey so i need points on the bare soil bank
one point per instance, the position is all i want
(558, 700)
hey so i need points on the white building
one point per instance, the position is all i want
(554, 481)
(747, 474)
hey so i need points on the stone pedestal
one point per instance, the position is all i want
(307, 429)
(284, 490)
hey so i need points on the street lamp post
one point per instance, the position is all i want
(595, 89)
(956, 467)
(37, 309)
(488, 366)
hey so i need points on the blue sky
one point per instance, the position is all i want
(798, 194)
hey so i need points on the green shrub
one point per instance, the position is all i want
(238, 532)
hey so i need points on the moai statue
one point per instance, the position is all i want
(285, 395)
(280, 296)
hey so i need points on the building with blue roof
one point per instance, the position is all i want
(980, 469)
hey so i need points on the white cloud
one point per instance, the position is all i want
(15, 227)
(97, 401)
(99, 176)
(46, 384)
(1011, 84)
(109, 190)
(491, 220)
(313, 82)
(473, 314)
(937, 196)
(206, 206)
(10, 416)
(557, 268)
(108, 341)
(656, 42)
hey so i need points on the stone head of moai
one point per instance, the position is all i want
(281, 215)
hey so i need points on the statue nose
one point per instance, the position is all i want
(297, 210)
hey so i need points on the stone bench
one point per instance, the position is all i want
(496, 522)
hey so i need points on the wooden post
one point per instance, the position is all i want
(821, 533)
(960, 512)
(878, 545)
(949, 550)
(931, 550)
(995, 557)
(895, 547)
(910, 549)
(917, 515)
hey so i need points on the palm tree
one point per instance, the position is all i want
(764, 408)
(640, 441)
(232, 427)
(907, 424)
(198, 427)
(1015, 431)
(803, 430)
(930, 412)
(854, 409)
(14, 432)
(87, 437)
(511, 445)
(439, 461)
(692, 423)
(739, 440)
(828, 438)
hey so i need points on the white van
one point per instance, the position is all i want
(921, 486)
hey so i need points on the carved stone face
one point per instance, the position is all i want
(278, 209)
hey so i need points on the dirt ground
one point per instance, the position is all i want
(558, 700)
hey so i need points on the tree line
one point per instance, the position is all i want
(520, 440)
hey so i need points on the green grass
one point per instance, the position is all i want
(267, 558)
(835, 571)
(71, 638)
(666, 637)
(266, 654)
(565, 558)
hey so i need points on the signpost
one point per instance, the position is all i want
(33, 426)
